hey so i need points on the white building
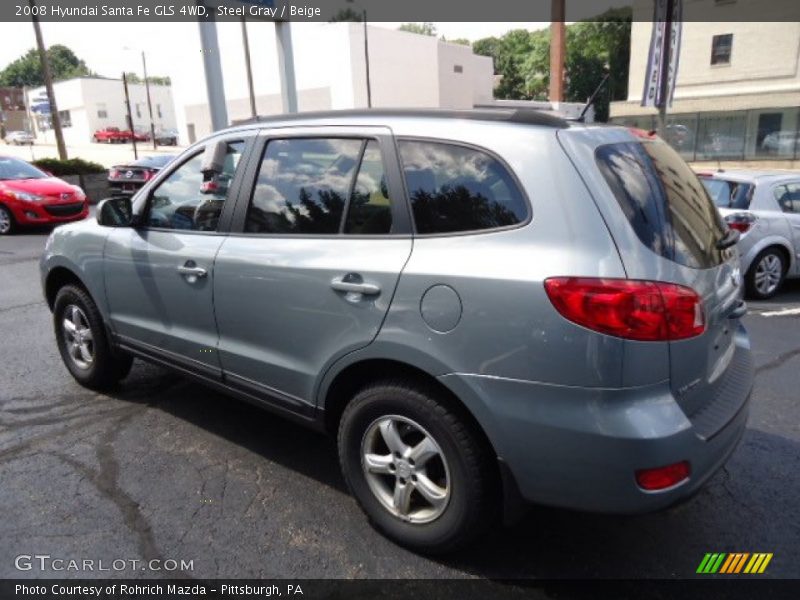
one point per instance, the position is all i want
(405, 70)
(737, 95)
(86, 104)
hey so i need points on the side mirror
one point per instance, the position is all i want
(115, 212)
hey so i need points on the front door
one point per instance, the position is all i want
(159, 274)
(311, 264)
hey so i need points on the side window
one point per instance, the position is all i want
(370, 211)
(303, 185)
(788, 197)
(453, 188)
(191, 200)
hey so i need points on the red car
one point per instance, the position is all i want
(29, 196)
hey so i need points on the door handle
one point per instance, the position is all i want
(191, 271)
(354, 287)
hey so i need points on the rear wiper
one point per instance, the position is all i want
(729, 239)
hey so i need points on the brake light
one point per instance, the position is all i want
(114, 174)
(662, 478)
(635, 310)
(741, 222)
(148, 175)
(643, 133)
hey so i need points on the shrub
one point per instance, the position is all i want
(71, 166)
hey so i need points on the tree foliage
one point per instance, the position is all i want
(27, 69)
(152, 79)
(421, 28)
(522, 59)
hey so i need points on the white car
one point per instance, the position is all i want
(19, 138)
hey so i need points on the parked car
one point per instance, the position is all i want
(19, 138)
(167, 137)
(128, 178)
(782, 143)
(764, 206)
(29, 196)
(486, 308)
(115, 135)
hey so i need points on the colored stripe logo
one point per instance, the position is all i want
(734, 563)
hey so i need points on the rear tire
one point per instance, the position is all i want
(765, 276)
(433, 500)
(7, 223)
(83, 342)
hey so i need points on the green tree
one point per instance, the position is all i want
(152, 79)
(461, 41)
(27, 69)
(421, 28)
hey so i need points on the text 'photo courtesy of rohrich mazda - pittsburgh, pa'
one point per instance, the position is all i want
(335, 293)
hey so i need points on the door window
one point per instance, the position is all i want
(189, 199)
(788, 197)
(305, 185)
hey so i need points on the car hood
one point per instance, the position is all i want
(43, 187)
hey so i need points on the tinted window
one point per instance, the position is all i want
(191, 200)
(729, 194)
(664, 201)
(788, 197)
(303, 185)
(369, 211)
(453, 188)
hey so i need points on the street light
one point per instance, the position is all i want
(149, 101)
(366, 50)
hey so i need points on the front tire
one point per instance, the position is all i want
(765, 276)
(416, 467)
(83, 343)
(7, 223)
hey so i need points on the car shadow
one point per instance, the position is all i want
(742, 508)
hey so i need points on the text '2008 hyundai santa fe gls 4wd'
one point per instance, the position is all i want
(483, 307)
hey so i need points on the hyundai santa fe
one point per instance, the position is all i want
(487, 309)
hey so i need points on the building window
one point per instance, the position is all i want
(102, 111)
(721, 49)
(138, 111)
(158, 110)
(458, 69)
(65, 118)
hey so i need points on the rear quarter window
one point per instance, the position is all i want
(664, 201)
(456, 188)
(729, 194)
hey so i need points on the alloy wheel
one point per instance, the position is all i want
(405, 469)
(78, 337)
(5, 221)
(768, 275)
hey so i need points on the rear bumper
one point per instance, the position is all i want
(579, 448)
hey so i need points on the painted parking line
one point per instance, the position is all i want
(784, 312)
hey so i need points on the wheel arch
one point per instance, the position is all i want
(773, 241)
(58, 277)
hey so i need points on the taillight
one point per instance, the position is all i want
(635, 310)
(113, 174)
(661, 478)
(741, 222)
(148, 175)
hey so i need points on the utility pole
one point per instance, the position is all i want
(130, 116)
(48, 82)
(149, 103)
(249, 68)
(557, 50)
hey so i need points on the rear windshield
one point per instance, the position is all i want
(664, 202)
(729, 194)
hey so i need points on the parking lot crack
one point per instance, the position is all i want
(778, 361)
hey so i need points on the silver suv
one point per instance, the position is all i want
(486, 308)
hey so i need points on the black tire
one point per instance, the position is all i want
(108, 365)
(766, 256)
(473, 485)
(7, 217)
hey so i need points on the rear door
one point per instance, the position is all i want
(313, 260)
(788, 197)
(667, 229)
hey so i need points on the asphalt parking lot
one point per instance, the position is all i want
(166, 469)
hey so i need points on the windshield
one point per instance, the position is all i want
(729, 194)
(13, 168)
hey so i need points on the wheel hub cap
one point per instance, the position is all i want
(405, 469)
(78, 337)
